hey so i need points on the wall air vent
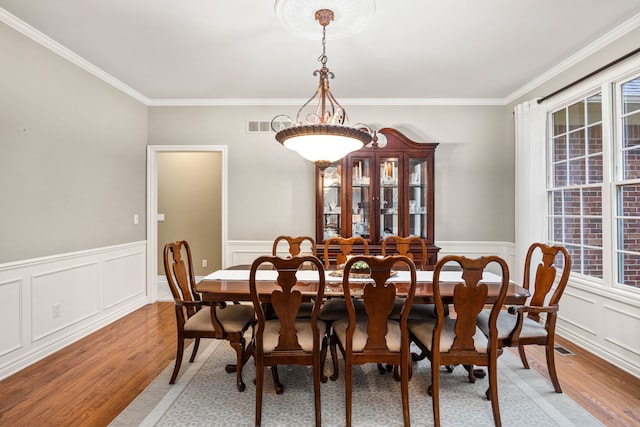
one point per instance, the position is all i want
(254, 126)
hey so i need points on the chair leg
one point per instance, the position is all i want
(434, 391)
(259, 387)
(317, 377)
(493, 391)
(196, 345)
(176, 368)
(523, 357)
(334, 358)
(348, 390)
(276, 380)
(323, 358)
(238, 346)
(551, 367)
(405, 374)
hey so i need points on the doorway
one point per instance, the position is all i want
(161, 159)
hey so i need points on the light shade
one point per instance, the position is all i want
(323, 144)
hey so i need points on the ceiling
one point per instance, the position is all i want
(237, 50)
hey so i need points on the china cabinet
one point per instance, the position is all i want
(385, 188)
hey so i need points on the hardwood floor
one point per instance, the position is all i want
(91, 381)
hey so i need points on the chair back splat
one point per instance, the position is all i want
(288, 339)
(295, 245)
(395, 245)
(346, 246)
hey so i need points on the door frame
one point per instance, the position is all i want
(152, 206)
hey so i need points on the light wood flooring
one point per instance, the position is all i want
(91, 381)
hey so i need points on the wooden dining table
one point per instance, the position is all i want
(232, 284)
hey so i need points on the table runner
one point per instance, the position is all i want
(312, 276)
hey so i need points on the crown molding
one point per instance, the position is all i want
(368, 102)
(624, 28)
(69, 55)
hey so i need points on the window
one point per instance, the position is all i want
(575, 196)
(579, 186)
(628, 186)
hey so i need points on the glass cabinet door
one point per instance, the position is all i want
(417, 197)
(361, 198)
(332, 195)
(389, 208)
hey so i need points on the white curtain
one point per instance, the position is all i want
(531, 200)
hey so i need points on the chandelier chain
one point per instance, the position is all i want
(323, 58)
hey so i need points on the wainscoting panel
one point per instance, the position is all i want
(55, 295)
(124, 278)
(51, 302)
(627, 340)
(579, 311)
(11, 302)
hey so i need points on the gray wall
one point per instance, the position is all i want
(271, 189)
(72, 162)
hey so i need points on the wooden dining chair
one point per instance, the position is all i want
(335, 308)
(347, 246)
(287, 339)
(396, 245)
(522, 325)
(456, 339)
(375, 337)
(199, 319)
(294, 245)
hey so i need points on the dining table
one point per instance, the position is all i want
(232, 284)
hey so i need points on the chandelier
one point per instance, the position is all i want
(320, 132)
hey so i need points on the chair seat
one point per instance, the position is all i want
(423, 331)
(507, 321)
(336, 309)
(360, 334)
(304, 332)
(233, 318)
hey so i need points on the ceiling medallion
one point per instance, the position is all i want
(350, 16)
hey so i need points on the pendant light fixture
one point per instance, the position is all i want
(320, 132)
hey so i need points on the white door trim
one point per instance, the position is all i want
(152, 206)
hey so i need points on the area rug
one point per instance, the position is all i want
(205, 395)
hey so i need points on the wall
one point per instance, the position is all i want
(271, 189)
(73, 156)
(72, 174)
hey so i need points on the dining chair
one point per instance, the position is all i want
(522, 325)
(199, 319)
(396, 245)
(375, 337)
(347, 246)
(335, 308)
(456, 339)
(287, 339)
(294, 245)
